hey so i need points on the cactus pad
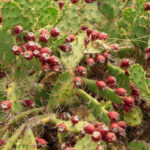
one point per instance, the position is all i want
(137, 76)
(134, 117)
(138, 145)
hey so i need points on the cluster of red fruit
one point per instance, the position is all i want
(98, 131)
(32, 49)
(128, 102)
(93, 35)
(6, 105)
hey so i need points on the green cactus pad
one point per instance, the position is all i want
(48, 17)
(99, 112)
(110, 8)
(71, 20)
(137, 76)
(86, 143)
(73, 58)
(106, 93)
(139, 30)
(13, 94)
(13, 139)
(122, 80)
(134, 117)
(62, 91)
(91, 14)
(138, 145)
(11, 19)
(20, 145)
(6, 42)
(29, 140)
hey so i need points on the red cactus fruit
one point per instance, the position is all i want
(107, 55)
(103, 129)
(96, 136)
(94, 35)
(41, 142)
(2, 142)
(84, 27)
(120, 91)
(89, 128)
(67, 47)
(86, 41)
(36, 53)
(73, 140)
(54, 60)
(113, 115)
(90, 61)
(16, 50)
(89, 1)
(110, 80)
(45, 50)
(88, 31)
(122, 124)
(45, 67)
(44, 37)
(56, 68)
(61, 4)
(78, 81)
(96, 125)
(74, 1)
(99, 147)
(103, 36)
(1, 19)
(101, 59)
(132, 86)
(17, 30)
(114, 127)
(61, 128)
(121, 133)
(116, 106)
(44, 57)
(55, 32)
(127, 72)
(147, 50)
(30, 36)
(28, 55)
(147, 6)
(114, 85)
(24, 47)
(44, 31)
(110, 137)
(75, 119)
(128, 108)
(125, 63)
(147, 56)
(30, 45)
(115, 46)
(81, 70)
(101, 85)
(128, 101)
(29, 103)
(70, 38)
(5, 105)
(70, 148)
